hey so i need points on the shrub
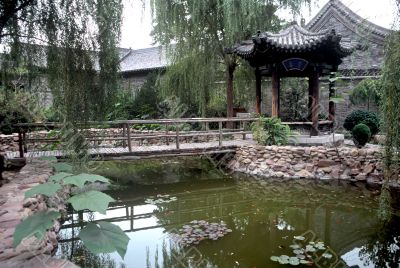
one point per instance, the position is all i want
(361, 134)
(270, 131)
(17, 107)
(370, 119)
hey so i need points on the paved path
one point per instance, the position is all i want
(152, 150)
(31, 253)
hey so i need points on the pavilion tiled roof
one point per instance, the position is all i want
(293, 39)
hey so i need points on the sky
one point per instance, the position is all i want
(136, 25)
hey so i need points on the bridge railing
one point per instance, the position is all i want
(126, 135)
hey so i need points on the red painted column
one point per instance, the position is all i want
(258, 92)
(275, 93)
(314, 88)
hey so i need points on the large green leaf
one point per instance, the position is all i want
(47, 189)
(104, 237)
(80, 179)
(92, 200)
(36, 225)
(62, 167)
(59, 176)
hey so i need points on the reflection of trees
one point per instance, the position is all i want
(75, 251)
(383, 247)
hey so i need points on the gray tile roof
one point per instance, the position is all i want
(152, 58)
(293, 39)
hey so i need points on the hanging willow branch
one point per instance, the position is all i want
(78, 52)
(201, 30)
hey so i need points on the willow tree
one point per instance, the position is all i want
(73, 43)
(391, 115)
(202, 32)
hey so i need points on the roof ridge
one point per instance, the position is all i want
(296, 28)
(348, 13)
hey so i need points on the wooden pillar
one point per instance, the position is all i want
(258, 92)
(332, 108)
(275, 93)
(314, 88)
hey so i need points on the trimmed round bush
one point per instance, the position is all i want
(368, 118)
(361, 134)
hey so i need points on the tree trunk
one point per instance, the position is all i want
(229, 93)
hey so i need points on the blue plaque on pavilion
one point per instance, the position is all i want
(295, 64)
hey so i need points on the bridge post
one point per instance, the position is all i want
(177, 136)
(128, 132)
(20, 145)
(220, 133)
(123, 136)
(166, 133)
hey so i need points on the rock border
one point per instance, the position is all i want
(14, 208)
(298, 162)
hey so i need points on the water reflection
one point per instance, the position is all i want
(264, 217)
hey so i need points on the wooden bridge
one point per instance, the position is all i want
(132, 138)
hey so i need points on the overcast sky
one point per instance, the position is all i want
(136, 26)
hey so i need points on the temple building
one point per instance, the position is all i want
(335, 22)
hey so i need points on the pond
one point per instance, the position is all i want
(267, 218)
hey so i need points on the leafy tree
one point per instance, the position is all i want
(202, 31)
(390, 102)
(70, 30)
(366, 92)
(391, 116)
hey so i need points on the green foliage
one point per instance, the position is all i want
(71, 30)
(390, 104)
(201, 30)
(62, 167)
(36, 224)
(270, 131)
(80, 179)
(361, 134)
(104, 237)
(17, 106)
(47, 189)
(59, 176)
(294, 99)
(147, 126)
(370, 119)
(140, 104)
(92, 200)
(367, 92)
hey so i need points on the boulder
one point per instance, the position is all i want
(326, 163)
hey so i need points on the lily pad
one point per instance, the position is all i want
(327, 255)
(294, 261)
(274, 258)
(298, 251)
(301, 238)
(294, 246)
(310, 248)
(306, 262)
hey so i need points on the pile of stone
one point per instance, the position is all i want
(310, 162)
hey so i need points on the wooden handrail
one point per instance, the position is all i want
(127, 136)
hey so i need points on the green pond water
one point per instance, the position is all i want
(264, 215)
